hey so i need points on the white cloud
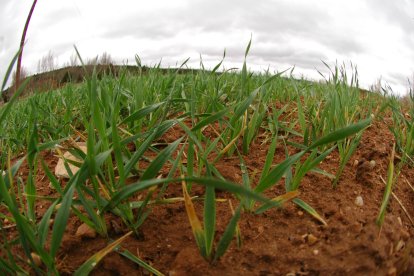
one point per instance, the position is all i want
(377, 36)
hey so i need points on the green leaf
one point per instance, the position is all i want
(7, 107)
(341, 133)
(277, 173)
(61, 219)
(309, 210)
(142, 113)
(277, 201)
(388, 189)
(269, 158)
(140, 262)
(44, 224)
(209, 218)
(129, 190)
(210, 119)
(160, 160)
(91, 263)
(228, 234)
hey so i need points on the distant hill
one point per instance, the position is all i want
(47, 81)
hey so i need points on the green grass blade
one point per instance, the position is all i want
(160, 160)
(139, 152)
(228, 234)
(44, 224)
(142, 113)
(139, 262)
(132, 188)
(61, 219)
(91, 263)
(309, 210)
(277, 173)
(209, 218)
(277, 201)
(9, 71)
(7, 107)
(269, 158)
(341, 133)
(388, 189)
(210, 119)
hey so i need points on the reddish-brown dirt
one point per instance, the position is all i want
(283, 241)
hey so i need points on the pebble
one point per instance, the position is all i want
(51, 186)
(392, 271)
(60, 169)
(405, 235)
(372, 164)
(310, 239)
(359, 201)
(356, 162)
(36, 259)
(84, 231)
(400, 245)
(300, 213)
(315, 252)
(116, 227)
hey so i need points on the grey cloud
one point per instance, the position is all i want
(399, 13)
(284, 32)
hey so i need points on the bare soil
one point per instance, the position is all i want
(283, 241)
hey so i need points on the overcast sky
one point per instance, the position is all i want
(375, 35)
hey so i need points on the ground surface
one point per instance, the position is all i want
(279, 242)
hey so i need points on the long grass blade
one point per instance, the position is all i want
(91, 263)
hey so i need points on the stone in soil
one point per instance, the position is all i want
(84, 231)
(60, 169)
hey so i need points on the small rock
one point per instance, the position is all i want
(312, 239)
(36, 259)
(392, 271)
(57, 207)
(405, 235)
(84, 231)
(359, 201)
(51, 186)
(372, 164)
(315, 252)
(60, 169)
(116, 227)
(355, 163)
(400, 245)
(300, 213)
